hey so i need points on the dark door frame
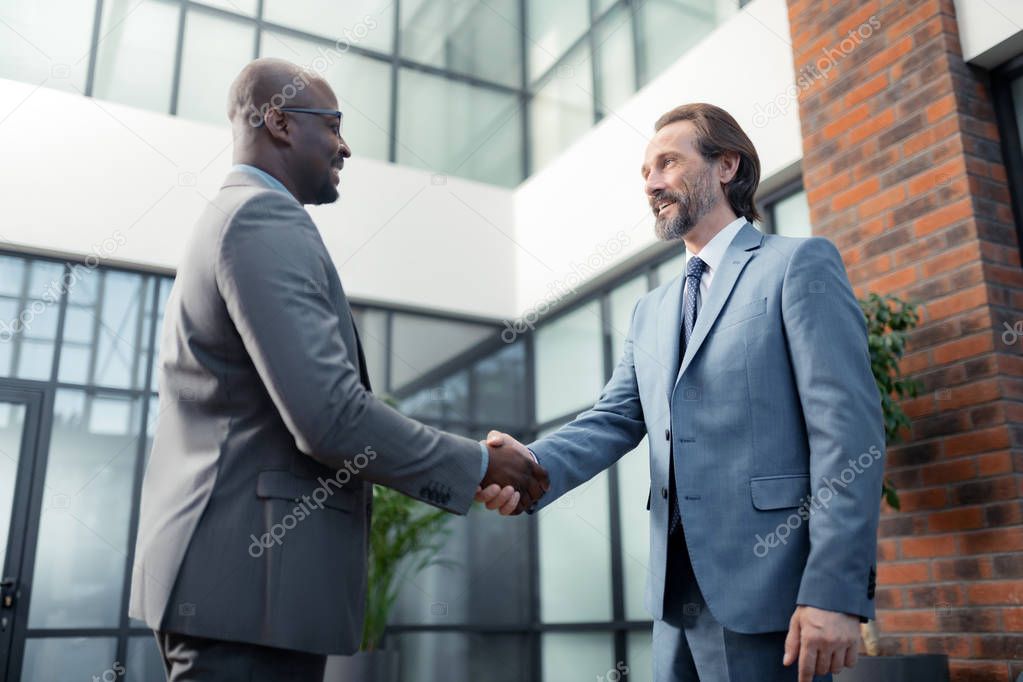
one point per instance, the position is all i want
(28, 495)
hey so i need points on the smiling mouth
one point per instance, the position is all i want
(661, 206)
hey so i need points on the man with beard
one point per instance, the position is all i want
(251, 555)
(750, 374)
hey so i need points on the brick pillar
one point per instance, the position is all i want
(903, 172)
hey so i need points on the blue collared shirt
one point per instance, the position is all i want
(271, 181)
(274, 183)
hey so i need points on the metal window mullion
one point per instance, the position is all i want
(90, 74)
(536, 650)
(136, 490)
(258, 43)
(524, 97)
(617, 572)
(179, 48)
(596, 83)
(392, 150)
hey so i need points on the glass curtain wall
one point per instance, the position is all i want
(485, 89)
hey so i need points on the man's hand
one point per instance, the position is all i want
(502, 493)
(823, 641)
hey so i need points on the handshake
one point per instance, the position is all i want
(514, 481)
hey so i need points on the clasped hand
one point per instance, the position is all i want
(514, 481)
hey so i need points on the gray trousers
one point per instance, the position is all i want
(196, 659)
(689, 645)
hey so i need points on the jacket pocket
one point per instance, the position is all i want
(779, 492)
(283, 485)
(742, 312)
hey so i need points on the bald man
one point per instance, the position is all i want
(250, 561)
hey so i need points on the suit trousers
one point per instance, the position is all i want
(187, 658)
(689, 645)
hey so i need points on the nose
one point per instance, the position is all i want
(654, 183)
(344, 149)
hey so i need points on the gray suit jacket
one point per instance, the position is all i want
(256, 501)
(774, 401)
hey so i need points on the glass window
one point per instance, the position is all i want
(462, 657)
(106, 330)
(484, 576)
(69, 658)
(575, 531)
(633, 486)
(361, 84)
(366, 23)
(569, 362)
(83, 529)
(622, 301)
(672, 268)
(166, 284)
(792, 216)
(452, 127)
(246, 7)
(553, 28)
(144, 662)
(135, 61)
(12, 426)
(587, 655)
(1017, 100)
(372, 327)
(671, 27)
(30, 293)
(641, 655)
(215, 50)
(475, 37)
(423, 343)
(46, 41)
(562, 108)
(500, 387)
(616, 70)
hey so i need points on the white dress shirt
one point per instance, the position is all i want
(711, 254)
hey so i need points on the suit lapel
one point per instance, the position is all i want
(669, 322)
(738, 254)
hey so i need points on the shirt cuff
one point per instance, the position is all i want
(485, 462)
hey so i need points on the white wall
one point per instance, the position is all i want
(568, 215)
(77, 170)
(990, 31)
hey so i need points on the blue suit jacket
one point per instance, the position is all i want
(777, 430)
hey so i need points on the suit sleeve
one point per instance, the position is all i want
(599, 437)
(827, 345)
(271, 272)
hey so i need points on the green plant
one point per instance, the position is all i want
(405, 537)
(889, 320)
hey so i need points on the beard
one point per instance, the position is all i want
(327, 194)
(695, 201)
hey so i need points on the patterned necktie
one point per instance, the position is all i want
(694, 272)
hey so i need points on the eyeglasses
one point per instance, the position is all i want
(322, 112)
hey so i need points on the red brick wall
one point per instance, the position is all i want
(903, 172)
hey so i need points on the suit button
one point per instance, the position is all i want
(667, 434)
(664, 492)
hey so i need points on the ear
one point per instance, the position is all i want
(277, 124)
(728, 166)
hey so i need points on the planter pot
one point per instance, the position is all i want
(365, 666)
(922, 667)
